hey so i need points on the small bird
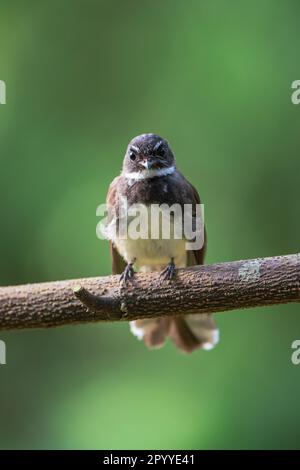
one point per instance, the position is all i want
(149, 176)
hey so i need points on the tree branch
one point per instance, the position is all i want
(198, 289)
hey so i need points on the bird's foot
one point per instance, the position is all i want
(127, 274)
(169, 272)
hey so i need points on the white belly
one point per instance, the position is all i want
(152, 254)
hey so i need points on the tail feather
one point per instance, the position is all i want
(152, 331)
(182, 336)
(204, 329)
(188, 333)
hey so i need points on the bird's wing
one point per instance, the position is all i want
(118, 263)
(195, 256)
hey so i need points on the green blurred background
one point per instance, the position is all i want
(83, 77)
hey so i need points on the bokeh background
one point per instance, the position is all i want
(83, 77)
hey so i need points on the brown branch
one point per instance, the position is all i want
(199, 289)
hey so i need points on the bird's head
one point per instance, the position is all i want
(148, 153)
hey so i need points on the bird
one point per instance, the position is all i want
(150, 177)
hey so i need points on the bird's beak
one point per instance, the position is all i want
(147, 163)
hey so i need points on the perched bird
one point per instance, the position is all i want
(149, 176)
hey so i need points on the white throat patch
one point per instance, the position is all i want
(145, 174)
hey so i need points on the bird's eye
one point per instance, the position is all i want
(132, 155)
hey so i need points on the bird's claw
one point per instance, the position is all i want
(127, 274)
(169, 272)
